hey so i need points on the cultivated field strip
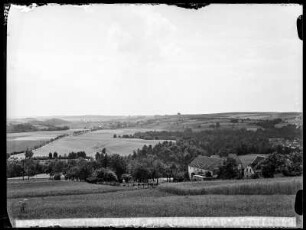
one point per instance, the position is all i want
(95, 141)
(288, 186)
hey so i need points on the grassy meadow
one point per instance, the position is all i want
(45, 188)
(67, 199)
(282, 186)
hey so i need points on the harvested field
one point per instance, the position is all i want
(21, 141)
(93, 142)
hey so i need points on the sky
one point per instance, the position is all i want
(128, 59)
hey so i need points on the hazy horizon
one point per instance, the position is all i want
(146, 60)
(138, 115)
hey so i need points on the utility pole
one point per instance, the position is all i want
(23, 170)
(28, 172)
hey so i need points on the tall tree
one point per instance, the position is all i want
(105, 160)
(118, 164)
(97, 156)
(229, 170)
(28, 155)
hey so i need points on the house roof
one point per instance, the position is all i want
(206, 163)
(257, 160)
(250, 159)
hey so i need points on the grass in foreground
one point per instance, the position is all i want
(43, 188)
(151, 203)
(285, 186)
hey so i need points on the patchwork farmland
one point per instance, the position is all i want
(90, 142)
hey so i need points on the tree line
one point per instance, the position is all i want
(170, 159)
(224, 141)
(166, 159)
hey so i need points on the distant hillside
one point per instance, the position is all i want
(37, 125)
(50, 122)
(24, 127)
(176, 122)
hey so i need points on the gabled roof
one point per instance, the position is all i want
(206, 163)
(249, 159)
(257, 160)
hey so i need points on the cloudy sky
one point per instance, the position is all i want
(143, 59)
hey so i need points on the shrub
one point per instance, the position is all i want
(255, 176)
(288, 172)
(104, 174)
(179, 177)
(92, 179)
(126, 177)
(57, 176)
(141, 173)
(208, 174)
(268, 170)
(228, 170)
(294, 164)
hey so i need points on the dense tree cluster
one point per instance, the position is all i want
(268, 124)
(224, 141)
(290, 164)
(75, 155)
(229, 170)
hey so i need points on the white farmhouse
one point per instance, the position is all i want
(201, 165)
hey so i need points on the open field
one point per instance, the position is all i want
(45, 187)
(282, 185)
(21, 141)
(135, 203)
(93, 142)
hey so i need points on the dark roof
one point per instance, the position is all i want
(206, 163)
(257, 160)
(247, 159)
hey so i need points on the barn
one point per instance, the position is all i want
(203, 166)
